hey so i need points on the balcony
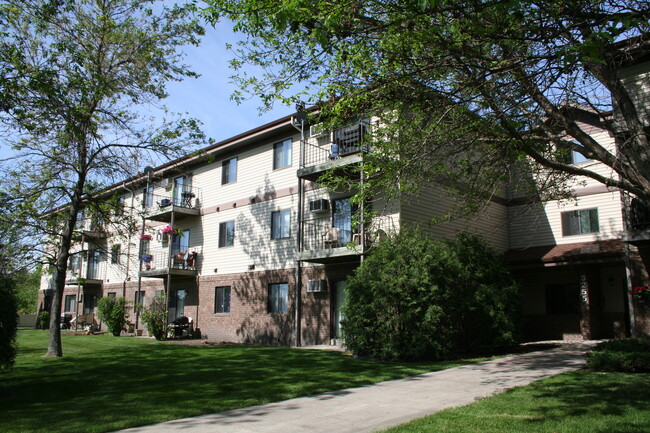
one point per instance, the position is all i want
(87, 273)
(332, 150)
(159, 264)
(323, 243)
(182, 204)
(639, 213)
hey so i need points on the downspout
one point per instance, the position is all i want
(148, 171)
(128, 251)
(301, 186)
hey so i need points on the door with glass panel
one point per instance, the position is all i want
(342, 218)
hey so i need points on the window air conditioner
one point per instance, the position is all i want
(319, 205)
(315, 286)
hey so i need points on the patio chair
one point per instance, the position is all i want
(331, 237)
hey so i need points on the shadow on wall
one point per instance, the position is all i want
(271, 261)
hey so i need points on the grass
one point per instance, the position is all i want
(581, 401)
(105, 383)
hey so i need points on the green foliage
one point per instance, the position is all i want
(416, 298)
(155, 317)
(27, 285)
(44, 319)
(75, 75)
(144, 380)
(114, 313)
(631, 355)
(8, 323)
(491, 81)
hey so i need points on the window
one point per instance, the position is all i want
(580, 222)
(229, 171)
(115, 254)
(563, 299)
(119, 206)
(227, 234)
(281, 224)
(139, 300)
(278, 298)
(70, 303)
(282, 154)
(111, 295)
(74, 262)
(148, 196)
(577, 157)
(222, 300)
(146, 246)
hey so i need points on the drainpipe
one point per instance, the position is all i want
(148, 171)
(301, 186)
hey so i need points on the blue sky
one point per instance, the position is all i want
(208, 97)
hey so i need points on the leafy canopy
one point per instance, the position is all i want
(416, 298)
(506, 80)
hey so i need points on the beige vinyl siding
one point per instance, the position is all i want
(253, 244)
(432, 203)
(636, 80)
(541, 224)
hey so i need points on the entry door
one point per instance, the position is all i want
(342, 219)
(339, 302)
(93, 264)
(177, 304)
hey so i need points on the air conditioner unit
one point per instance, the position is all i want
(315, 286)
(319, 205)
(317, 130)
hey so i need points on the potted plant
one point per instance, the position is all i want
(145, 237)
(146, 258)
(169, 230)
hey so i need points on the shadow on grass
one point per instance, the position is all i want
(105, 383)
(586, 394)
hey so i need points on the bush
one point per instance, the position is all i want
(155, 317)
(630, 355)
(8, 323)
(415, 298)
(114, 313)
(44, 319)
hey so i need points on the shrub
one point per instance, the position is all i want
(416, 298)
(629, 355)
(8, 322)
(44, 319)
(155, 317)
(114, 313)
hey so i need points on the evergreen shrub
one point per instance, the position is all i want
(114, 313)
(415, 298)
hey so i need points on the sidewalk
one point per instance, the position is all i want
(379, 406)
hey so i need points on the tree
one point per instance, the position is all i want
(8, 322)
(155, 317)
(76, 76)
(466, 88)
(27, 284)
(416, 298)
(114, 313)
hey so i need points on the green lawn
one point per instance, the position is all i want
(105, 383)
(577, 402)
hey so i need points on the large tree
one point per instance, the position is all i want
(78, 77)
(466, 88)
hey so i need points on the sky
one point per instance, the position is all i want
(207, 98)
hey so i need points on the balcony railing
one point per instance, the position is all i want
(318, 234)
(160, 260)
(332, 145)
(186, 198)
(639, 214)
(93, 270)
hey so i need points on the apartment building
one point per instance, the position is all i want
(241, 239)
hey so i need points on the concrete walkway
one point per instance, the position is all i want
(382, 405)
